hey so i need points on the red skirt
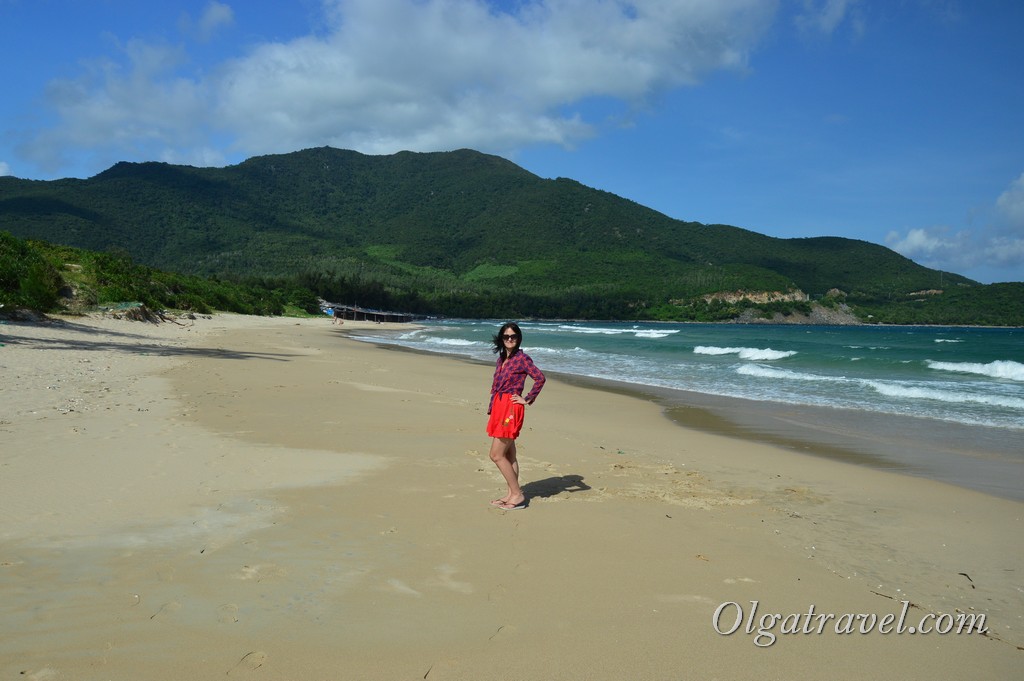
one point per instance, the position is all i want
(506, 418)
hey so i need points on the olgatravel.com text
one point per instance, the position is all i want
(728, 619)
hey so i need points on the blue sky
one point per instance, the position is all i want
(900, 122)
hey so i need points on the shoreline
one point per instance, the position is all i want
(932, 449)
(281, 501)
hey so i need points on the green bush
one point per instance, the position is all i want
(26, 278)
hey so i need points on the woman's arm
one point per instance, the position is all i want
(494, 385)
(538, 380)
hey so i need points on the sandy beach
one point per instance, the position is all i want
(266, 498)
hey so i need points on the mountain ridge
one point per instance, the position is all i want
(425, 228)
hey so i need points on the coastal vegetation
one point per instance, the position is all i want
(43, 277)
(456, 233)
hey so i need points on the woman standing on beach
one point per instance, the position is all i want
(507, 408)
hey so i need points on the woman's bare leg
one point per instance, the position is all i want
(511, 455)
(503, 454)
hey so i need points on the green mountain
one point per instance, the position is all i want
(460, 233)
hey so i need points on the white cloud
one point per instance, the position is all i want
(441, 74)
(825, 16)
(215, 16)
(454, 74)
(922, 243)
(388, 75)
(4, 169)
(1011, 202)
(139, 110)
(992, 252)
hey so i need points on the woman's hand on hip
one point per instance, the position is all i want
(518, 399)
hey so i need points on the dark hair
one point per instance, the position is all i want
(499, 346)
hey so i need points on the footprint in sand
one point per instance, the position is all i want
(206, 488)
(227, 613)
(445, 574)
(249, 662)
(398, 586)
(260, 572)
(166, 608)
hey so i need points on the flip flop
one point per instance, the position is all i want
(512, 507)
(498, 502)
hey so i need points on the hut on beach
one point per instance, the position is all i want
(363, 314)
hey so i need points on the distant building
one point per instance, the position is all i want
(363, 314)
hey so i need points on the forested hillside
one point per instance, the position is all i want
(457, 233)
(44, 277)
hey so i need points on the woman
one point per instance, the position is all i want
(507, 409)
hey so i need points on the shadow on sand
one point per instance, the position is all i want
(121, 342)
(550, 487)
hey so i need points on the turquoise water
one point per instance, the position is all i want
(972, 376)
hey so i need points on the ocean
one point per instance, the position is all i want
(943, 402)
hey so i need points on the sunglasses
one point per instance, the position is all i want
(510, 336)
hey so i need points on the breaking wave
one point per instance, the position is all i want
(1009, 369)
(754, 354)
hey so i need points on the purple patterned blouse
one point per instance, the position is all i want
(510, 378)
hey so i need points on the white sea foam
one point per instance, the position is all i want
(998, 369)
(593, 330)
(451, 341)
(953, 396)
(606, 331)
(754, 354)
(784, 374)
(948, 340)
(887, 388)
(557, 352)
(650, 333)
